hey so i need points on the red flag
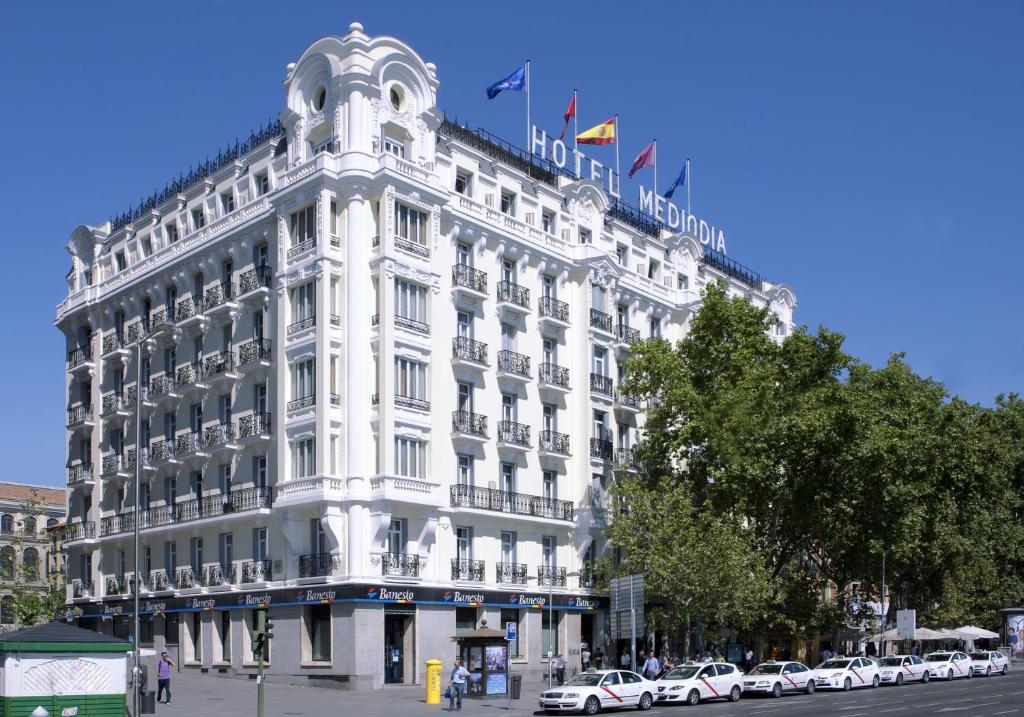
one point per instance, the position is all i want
(644, 159)
(569, 114)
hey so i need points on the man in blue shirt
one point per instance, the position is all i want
(457, 688)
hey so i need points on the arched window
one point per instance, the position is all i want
(6, 563)
(30, 563)
(30, 525)
(7, 523)
(7, 610)
(50, 522)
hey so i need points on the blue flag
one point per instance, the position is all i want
(680, 181)
(516, 81)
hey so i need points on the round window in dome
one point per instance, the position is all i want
(397, 97)
(320, 99)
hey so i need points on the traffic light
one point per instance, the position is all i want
(261, 633)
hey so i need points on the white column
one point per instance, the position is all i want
(358, 380)
(356, 121)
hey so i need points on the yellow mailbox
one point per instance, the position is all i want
(433, 682)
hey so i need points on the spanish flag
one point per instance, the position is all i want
(603, 133)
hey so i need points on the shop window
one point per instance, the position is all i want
(465, 620)
(318, 632)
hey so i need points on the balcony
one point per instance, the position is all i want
(209, 506)
(137, 331)
(115, 524)
(404, 322)
(79, 473)
(336, 320)
(513, 435)
(188, 444)
(162, 388)
(412, 247)
(467, 352)
(162, 450)
(116, 405)
(553, 311)
(404, 565)
(220, 367)
(80, 359)
(116, 465)
(131, 458)
(189, 376)
(219, 436)
(589, 578)
(188, 309)
(513, 296)
(471, 570)
(185, 579)
(113, 343)
(300, 403)
(336, 399)
(317, 565)
(468, 496)
(301, 248)
(554, 377)
(469, 281)
(600, 448)
(510, 573)
(626, 334)
(254, 354)
(159, 582)
(254, 280)
(257, 571)
(254, 427)
(220, 298)
(80, 417)
(626, 402)
(161, 320)
(551, 576)
(116, 585)
(217, 575)
(417, 404)
(554, 443)
(625, 460)
(513, 365)
(600, 321)
(467, 423)
(301, 325)
(82, 589)
(86, 530)
(601, 385)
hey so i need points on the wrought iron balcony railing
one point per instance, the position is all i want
(513, 362)
(255, 424)
(468, 496)
(255, 350)
(257, 571)
(219, 294)
(468, 349)
(113, 403)
(301, 325)
(254, 279)
(470, 423)
(588, 578)
(552, 308)
(627, 334)
(158, 581)
(161, 386)
(601, 385)
(79, 473)
(412, 324)
(187, 308)
(219, 363)
(79, 356)
(161, 319)
(412, 402)
(221, 434)
(463, 569)
(185, 579)
(466, 276)
(601, 320)
(84, 530)
(219, 574)
(161, 450)
(510, 573)
(514, 294)
(400, 564)
(412, 247)
(112, 342)
(302, 247)
(189, 374)
(554, 375)
(116, 585)
(136, 331)
(82, 589)
(626, 399)
(514, 433)
(554, 442)
(601, 448)
(316, 565)
(188, 443)
(624, 458)
(79, 414)
(549, 575)
(115, 463)
(302, 402)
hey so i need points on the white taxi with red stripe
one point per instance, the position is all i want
(846, 673)
(897, 669)
(989, 662)
(693, 682)
(596, 690)
(775, 678)
(949, 665)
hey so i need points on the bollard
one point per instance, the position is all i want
(433, 682)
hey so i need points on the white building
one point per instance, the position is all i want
(380, 358)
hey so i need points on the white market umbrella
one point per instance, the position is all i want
(923, 633)
(976, 633)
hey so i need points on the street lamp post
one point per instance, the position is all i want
(551, 610)
(136, 670)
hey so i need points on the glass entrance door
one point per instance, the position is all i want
(398, 649)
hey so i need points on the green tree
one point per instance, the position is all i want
(37, 594)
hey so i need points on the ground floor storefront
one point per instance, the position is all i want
(354, 636)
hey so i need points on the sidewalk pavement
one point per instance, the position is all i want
(199, 695)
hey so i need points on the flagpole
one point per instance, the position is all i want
(575, 127)
(655, 165)
(618, 174)
(689, 181)
(528, 106)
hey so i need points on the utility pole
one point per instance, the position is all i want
(882, 604)
(261, 641)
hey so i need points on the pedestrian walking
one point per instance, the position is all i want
(599, 659)
(457, 686)
(651, 667)
(163, 676)
(560, 669)
(748, 659)
(585, 657)
(624, 660)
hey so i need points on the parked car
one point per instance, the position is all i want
(846, 673)
(949, 665)
(988, 662)
(591, 692)
(776, 678)
(694, 682)
(897, 669)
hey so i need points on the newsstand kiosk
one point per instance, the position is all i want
(484, 652)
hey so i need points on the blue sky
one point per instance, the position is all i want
(866, 153)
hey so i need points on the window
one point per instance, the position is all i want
(320, 99)
(7, 563)
(259, 471)
(653, 269)
(171, 233)
(466, 470)
(226, 550)
(549, 418)
(509, 407)
(508, 337)
(198, 218)
(303, 225)
(682, 281)
(30, 564)
(464, 325)
(196, 555)
(464, 543)
(465, 620)
(464, 182)
(225, 635)
(325, 145)
(508, 546)
(585, 236)
(508, 478)
(396, 536)
(549, 633)
(550, 485)
(227, 203)
(622, 314)
(410, 224)
(655, 326)
(622, 255)
(547, 221)
(119, 260)
(410, 379)
(548, 287)
(303, 459)
(410, 457)
(262, 183)
(508, 203)
(394, 147)
(465, 396)
(170, 558)
(318, 626)
(195, 628)
(601, 425)
(29, 526)
(304, 379)
(303, 302)
(259, 544)
(550, 351)
(549, 544)
(464, 254)
(600, 362)
(7, 610)
(397, 97)
(410, 301)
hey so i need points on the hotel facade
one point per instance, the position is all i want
(375, 357)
